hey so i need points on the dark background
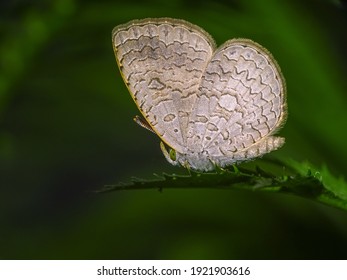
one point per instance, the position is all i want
(66, 128)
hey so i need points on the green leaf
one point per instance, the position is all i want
(301, 179)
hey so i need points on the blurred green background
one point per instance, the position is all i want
(66, 128)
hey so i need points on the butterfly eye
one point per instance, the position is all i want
(173, 154)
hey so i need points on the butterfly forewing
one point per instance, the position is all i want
(162, 62)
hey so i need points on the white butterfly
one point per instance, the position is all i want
(212, 107)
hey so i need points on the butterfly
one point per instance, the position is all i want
(212, 107)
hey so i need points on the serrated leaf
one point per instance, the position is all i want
(301, 179)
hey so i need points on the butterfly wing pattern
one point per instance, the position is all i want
(212, 107)
(162, 62)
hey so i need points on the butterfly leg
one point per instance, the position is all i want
(143, 123)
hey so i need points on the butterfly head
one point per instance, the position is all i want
(192, 160)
